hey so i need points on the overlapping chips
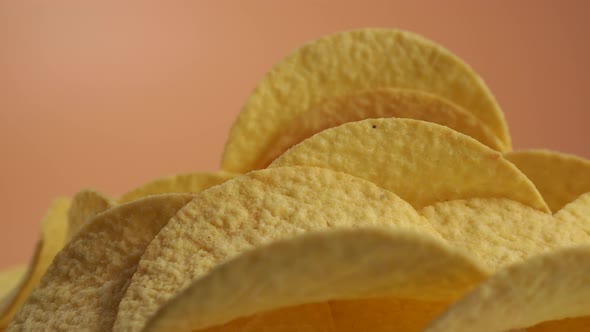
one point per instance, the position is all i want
(52, 238)
(91, 273)
(422, 162)
(249, 211)
(391, 201)
(344, 63)
(374, 104)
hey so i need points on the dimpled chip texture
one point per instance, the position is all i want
(377, 270)
(374, 104)
(347, 62)
(422, 162)
(85, 282)
(52, 239)
(499, 232)
(250, 211)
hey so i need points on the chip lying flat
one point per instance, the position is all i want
(345, 63)
(86, 280)
(560, 177)
(546, 288)
(499, 231)
(249, 211)
(422, 162)
(181, 183)
(319, 268)
(53, 236)
(378, 103)
(86, 205)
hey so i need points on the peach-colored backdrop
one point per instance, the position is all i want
(109, 94)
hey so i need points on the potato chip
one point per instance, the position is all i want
(248, 211)
(378, 103)
(499, 232)
(85, 282)
(339, 268)
(86, 205)
(559, 177)
(576, 215)
(181, 183)
(9, 280)
(422, 162)
(550, 287)
(52, 238)
(347, 62)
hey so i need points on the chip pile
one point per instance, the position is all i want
(367, 185)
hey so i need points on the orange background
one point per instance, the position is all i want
(108, 95)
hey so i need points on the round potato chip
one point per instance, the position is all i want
(499, 231)
(559, 177)
(52, 238)
(422, 162)
(347, 62)
(378, 103)
(181, 183)
(248, 211)
(372, 267)
(86, 204)
(550, 287)
(87, 279)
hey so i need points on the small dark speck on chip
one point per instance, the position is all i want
(374, 126)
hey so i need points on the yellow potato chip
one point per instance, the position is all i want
(361, 272)
(347, 62)
(422, 162)
(9, 281)
(248, 211)
(499, 231)
(181, 183)
(373, 104)
(86, 204)
(550, 287)
(576, 215)
(559, 177)
(85, 282)
(52, 238)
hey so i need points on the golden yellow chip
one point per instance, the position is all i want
(576, 215)
(9, 281)
(546, 288)
(87, 279)
(559, 177)
(363, 272)
(347, 62)
(248, 211)
(52, 238)
(86, 204)
(373, 104)
(181, 183)
(499, 232)
(422, 162)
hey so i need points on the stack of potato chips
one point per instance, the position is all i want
(367, 185)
